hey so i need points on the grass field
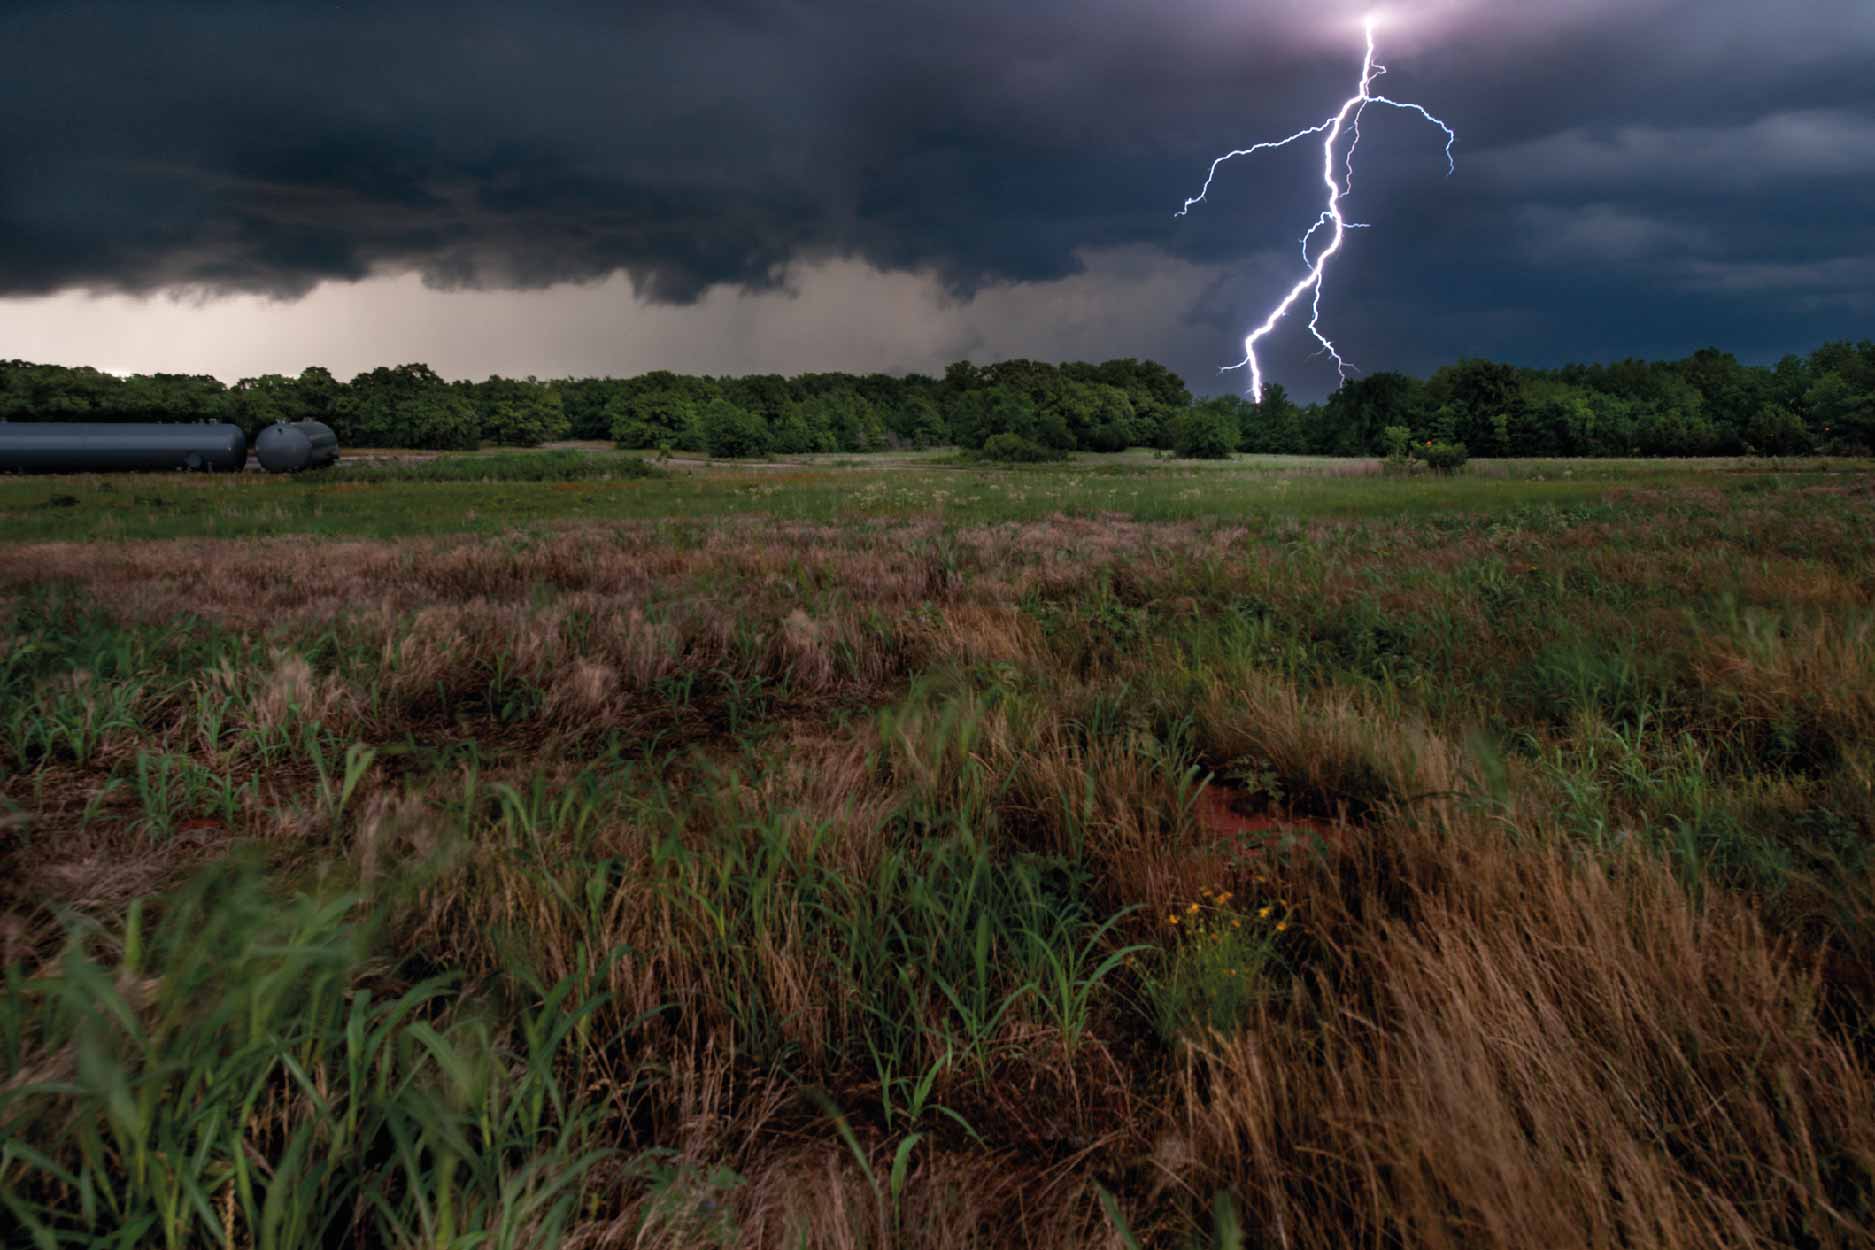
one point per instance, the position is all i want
(506, 493)
(540, 849)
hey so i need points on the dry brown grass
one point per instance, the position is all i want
(1498, 1032)
(1814, 669)
(1530, 1049)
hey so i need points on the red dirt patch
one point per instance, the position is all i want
(1219, 813)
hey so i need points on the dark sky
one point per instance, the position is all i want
(730, 185)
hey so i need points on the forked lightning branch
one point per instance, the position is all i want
(1346, 121)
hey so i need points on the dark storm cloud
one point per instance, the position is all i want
(1672, 160)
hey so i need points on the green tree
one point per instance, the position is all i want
(665, 417)
(960, 376)
(1158, 396)
(1853, 362)
(802, 429)
(731, 432)
(1732, 397)
(519, 413)
(919, 421)
(764, 394)
(584, 400)
(1114, 425)
(1072, 409)
(1479, 392)
(1208, 430)
(1358, 412)
(855, 423)
(1775, 430)
(316, 394)
(982, 414)
(408, 406)
(1274, 425)
(257, 403)
(1841, 415)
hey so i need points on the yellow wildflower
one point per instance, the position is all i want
(1193, 909)
(1281, 925)
(1263, 913)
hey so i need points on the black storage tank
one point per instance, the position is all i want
(289, 446)
(105, 447)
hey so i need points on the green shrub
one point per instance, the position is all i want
(1015, 449)
(1443, 457)
(1399, 461)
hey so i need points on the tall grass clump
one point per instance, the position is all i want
(233, 1067)
(1613, 1064)
(925, 976)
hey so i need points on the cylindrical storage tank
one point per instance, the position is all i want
(105, 447)
(289, 446)
(282, 448)
(325, 443)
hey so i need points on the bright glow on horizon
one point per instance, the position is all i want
(1348, 119)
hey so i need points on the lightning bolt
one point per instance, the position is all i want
(1347, 120)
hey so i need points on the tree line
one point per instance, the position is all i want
(1706, 404)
